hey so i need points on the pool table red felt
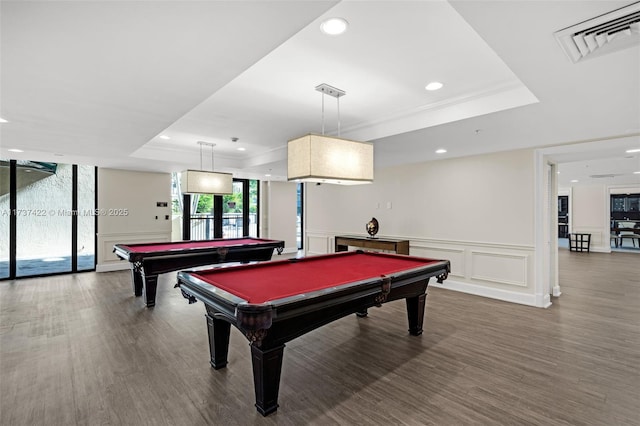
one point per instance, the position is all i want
(280, 279)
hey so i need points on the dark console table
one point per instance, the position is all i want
(342, 243)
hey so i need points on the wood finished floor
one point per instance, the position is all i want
(81, 350)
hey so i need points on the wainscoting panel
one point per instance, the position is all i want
(108, 261)
(318, 244)
(455, 255)
(494, 270)
(510, 269)
(600, 242)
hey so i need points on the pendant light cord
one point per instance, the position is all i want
(338, 100)
(336, 93)
(322, 113)
(201, 156)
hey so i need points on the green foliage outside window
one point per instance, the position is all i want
(205, 203)
(232, 203)
(253, 196)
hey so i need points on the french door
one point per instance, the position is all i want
(236, 215)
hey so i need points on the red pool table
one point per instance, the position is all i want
(274, 302)
(148, 260)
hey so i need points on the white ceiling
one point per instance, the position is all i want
(99, 82)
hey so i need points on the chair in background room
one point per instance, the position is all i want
(614, 237)
(622, 233)
(629, 234)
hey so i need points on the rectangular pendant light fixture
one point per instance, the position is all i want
(326, 159)
(204, 182)
(329, 159)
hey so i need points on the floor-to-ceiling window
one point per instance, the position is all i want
(207, 216)
(48, 213)
(43, 219)
(240, 210)
(254, 207)
(5, 213)
(86, 203)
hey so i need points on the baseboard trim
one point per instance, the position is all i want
(111, 267)
(492, 293)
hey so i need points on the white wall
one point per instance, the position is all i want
(478, 212)
(279, 203)
(128, 212)
(590, 214)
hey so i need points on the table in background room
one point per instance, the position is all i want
(274, 302)
(148, 260)
(626, 229)
(342, 243)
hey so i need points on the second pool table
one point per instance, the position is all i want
(148, 260)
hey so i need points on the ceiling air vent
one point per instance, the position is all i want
(609, 175)
(604, 34)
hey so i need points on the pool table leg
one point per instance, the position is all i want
(362, 313)
(415, 313)
(136, 279)
(150, 286)
(219, 331)
(267, 365)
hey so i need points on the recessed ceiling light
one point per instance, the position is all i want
(242, 149)
(441, 151)
(434, 85)
(268, 175)
(165, 137)
(636, 173)
(574, 181)
(334, 26)
(633, 150)
(2, 120)
(15, 150)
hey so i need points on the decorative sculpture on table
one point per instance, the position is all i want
(372, 227)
